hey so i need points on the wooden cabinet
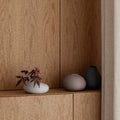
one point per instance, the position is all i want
(48, 107)
(87, 106)
(55, 105)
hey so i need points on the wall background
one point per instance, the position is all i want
(117, 59)
(111, 59)
(58, 36)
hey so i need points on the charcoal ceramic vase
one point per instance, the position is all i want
(93, 78)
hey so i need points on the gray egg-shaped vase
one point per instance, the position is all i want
(93, 78)
(74, 82)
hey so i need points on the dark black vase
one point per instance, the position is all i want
(93, 78)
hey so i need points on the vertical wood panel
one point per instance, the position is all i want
(29, 37)
(51, 107)
(80, 35)
(87, 106)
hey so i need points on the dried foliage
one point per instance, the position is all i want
(30, 76)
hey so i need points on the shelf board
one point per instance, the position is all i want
(22, 93)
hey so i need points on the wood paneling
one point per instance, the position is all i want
(87, 106)
(51, 107)
(80, 35)
(57, 104)
(58, 36)
(29, 37)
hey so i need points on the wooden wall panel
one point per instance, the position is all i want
(29, 37)
(50, 107)
(80, 35)
(87, 106)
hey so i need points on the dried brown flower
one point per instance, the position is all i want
(32, 76)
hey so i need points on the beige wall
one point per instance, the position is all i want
(117, 59)
(111, 59)
(107, 58)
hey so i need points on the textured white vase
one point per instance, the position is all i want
(74, 82)
(30, 88)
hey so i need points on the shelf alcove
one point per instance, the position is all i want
(58, 36)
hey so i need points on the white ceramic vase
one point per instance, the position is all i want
(30, 88)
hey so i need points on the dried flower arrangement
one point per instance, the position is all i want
(30, 76)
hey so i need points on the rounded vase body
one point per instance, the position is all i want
(31, 88)
(93, 78)
(74, 82)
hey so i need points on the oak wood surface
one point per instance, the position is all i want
(52, 107)
(58, 36)
(29, 37)
(87, 106)
(22, 93)
(56, 104)
(80, 35)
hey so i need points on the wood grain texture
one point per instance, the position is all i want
(58, 36)
(56, 104)
(52, 107)
(29, 37)
(87, 106)
(22, 93)
(80, 35)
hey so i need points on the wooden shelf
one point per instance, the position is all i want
(21, 93)
(57, 104)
